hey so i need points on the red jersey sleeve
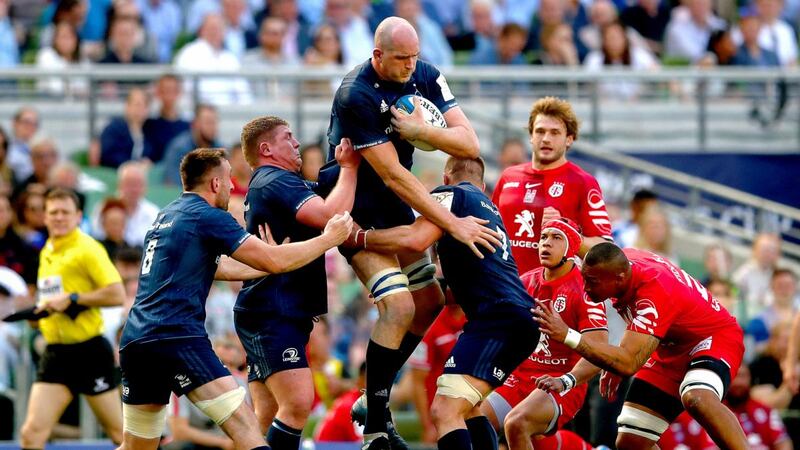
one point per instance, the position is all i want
(594, 220)
(591, 316)
(421, 356)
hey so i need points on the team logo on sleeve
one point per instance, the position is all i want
(444, 198)
(525, 220)
(646, 316)
(556, 189)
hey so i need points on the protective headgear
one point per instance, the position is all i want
(571, 232)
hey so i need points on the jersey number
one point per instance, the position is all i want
(147, 261)
(688, 280)
(503, 243)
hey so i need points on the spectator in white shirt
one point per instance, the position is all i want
(354, 32)
(207, 53)
(689, 30)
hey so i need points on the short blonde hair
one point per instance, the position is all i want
(558, 108)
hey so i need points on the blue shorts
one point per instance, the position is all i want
(152, 370)
(494, 343)
(272, 343)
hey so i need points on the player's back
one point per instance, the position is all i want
(667, 302)
(478, 282)
(181, 254)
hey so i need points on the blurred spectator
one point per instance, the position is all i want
(550, 14)
(751, 52)
(66, 174)
(113, 219)
(512, 152)
(558, 47)
(131, 190)
(207, 53)
(9, 47)
(336, 425)
(160, 130)
(722, 291)
(483, 27)
(240, 170)
(507, 50)
(689, 29)
(655, 234)
(24, 127)
(602, 14)
(202, 133)
(15, 253)
(450, 16)
(784, 304)
(72, 12)
(717, 262)
(123, 139)
(617, 50)
(627, 232)
(6, 172)
(313, 158)
(520, 12)
(298, 27)
(44, 155)
(270, 53)
(324, 52)
(63, 54)
(146, 44)
(199, 10)
(354, 33)
(649, 18)
(239, 35)
(432, 41)
(128, 261)
(163, 20)
(769, 384)
(774, 34)
(29, 209)
(753, 277)
(122, 43)
(721, 50)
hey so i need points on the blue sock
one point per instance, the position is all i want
(482, 433)
(455, 440)
(283, 437)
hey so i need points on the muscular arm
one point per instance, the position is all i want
(383, 158)
(231, 270)
(415, 237)
(633, 351)
(458, 139)
(316, 212)
(584, 370)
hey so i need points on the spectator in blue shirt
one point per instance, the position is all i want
(123, 138)
(203, 133)
(162, 129)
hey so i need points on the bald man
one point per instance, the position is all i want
(402, 284)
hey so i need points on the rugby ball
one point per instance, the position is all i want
(430, 112)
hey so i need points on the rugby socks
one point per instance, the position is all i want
(381, 370)
(283, 437)
(455, 440)
(407, 346)
(482, 433)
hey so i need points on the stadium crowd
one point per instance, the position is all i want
(230, 34)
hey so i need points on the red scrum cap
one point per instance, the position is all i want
(571, 232)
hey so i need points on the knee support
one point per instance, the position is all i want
(142, 423)
(420, 274)
(456, 386)
(702, 379)
(221, 408)
(387, 282)
(641, 423)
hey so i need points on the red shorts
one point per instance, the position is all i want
(522, 382)
(666, 369)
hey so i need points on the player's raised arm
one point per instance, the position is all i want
(316, 211)
(457, 139)
(284, 258)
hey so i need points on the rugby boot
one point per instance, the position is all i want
(376, 441)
